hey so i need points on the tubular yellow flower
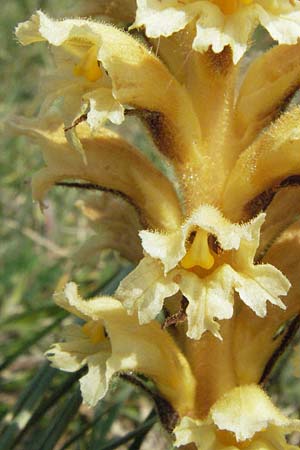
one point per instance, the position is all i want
(221, 22)
(79, 76)
(244, 418)
(110, 342)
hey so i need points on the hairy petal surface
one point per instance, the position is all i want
(110, 162)
(273, 157)
(267, 86)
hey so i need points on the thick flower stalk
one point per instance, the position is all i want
(220, 262)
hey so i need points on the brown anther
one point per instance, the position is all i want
(214, 244)
(178, 317)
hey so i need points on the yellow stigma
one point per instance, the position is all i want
(199, 253)
(88, 66)
(95, 331)
(230, 6)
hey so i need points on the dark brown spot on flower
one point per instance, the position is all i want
(159, 129)
(214, 244)
(179, 317)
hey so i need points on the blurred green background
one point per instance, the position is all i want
(40, 407)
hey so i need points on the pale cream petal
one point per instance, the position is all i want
(94, 384)
(110, 162)
(284, 27)
(65, 356)
(74, 352)
(245, 411)
(145, 289)
(257, 284)
(168, 248)
(273, 157)
(210, 298)
(56, 32)
(162, 18)
(260, 284)
(103, 107)
(191, 430)
(218, 30)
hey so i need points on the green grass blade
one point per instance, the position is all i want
(145, 427)
(136, 444)
(48, 403)
(26, 344)
(112, 285)
(24, 407)
(49, 438)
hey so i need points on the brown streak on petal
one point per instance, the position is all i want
(263, 200)
(214, 244)
(221, 62)
(159, 130)
(167, 414)
(178, 317)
